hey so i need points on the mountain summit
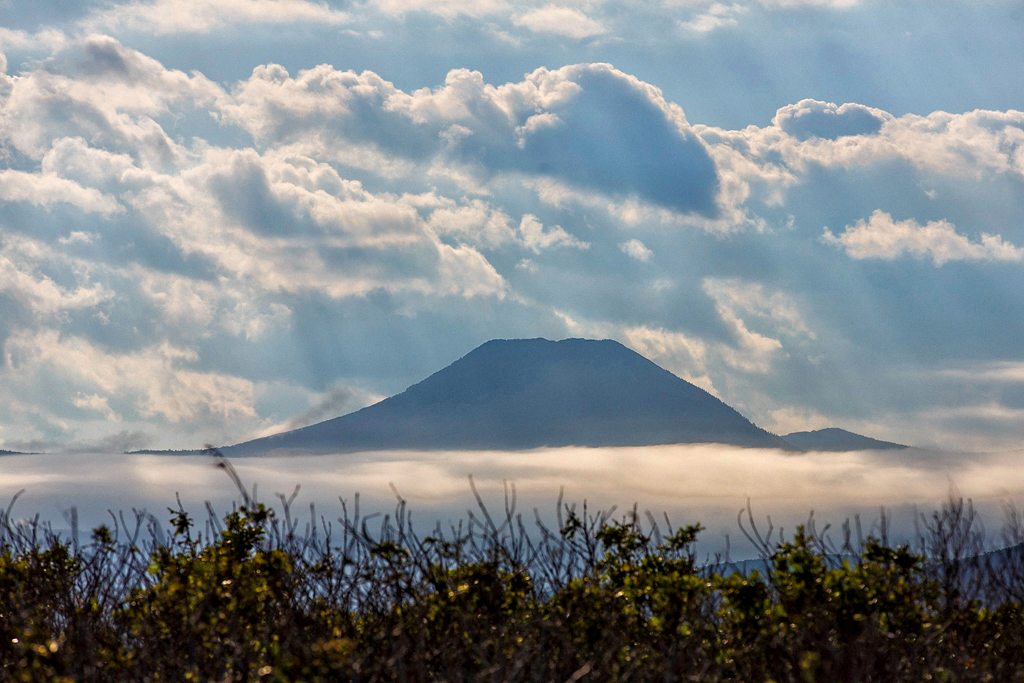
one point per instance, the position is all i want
(527, 393)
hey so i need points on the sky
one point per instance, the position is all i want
(220, 219)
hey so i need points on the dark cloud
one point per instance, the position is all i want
(616, 138)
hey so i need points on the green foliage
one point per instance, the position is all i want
(598, 599)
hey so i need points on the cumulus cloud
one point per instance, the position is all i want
(159, 378)
(172, 247)
(717, 15)
(108, 97)
(972, 145)
(162, 17)
(753, 352)
(21, 260)
(535, 237)
(811, 118)
(445, 8)
(45, 38)
(882, 237)
(42, 189)
(97, 403)
(776, 308)
(636, 249)
(587, 125)
(564, 21)
(832, 4)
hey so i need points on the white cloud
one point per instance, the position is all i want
(163, 17)
(830, 4)
(536, 238)
(553, 124)
(999, 372)
(45, 39)
(48, 189)
(564, 21)
(475, 222)
(813, 118)
(159, 378)
(97, 403)
(742, 305)
(637, 250)
(973, 145)
(776, 308)
(717, 15)
(444, 8)
(683, 354)
(110, 104)
(882, 237)
(20, 261)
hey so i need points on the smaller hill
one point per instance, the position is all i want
(838, 440)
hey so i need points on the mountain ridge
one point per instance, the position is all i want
(836, 440)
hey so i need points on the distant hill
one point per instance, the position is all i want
(528, 393)
(838, 440)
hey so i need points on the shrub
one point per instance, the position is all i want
(597, 598)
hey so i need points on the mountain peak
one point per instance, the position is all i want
(527, 393)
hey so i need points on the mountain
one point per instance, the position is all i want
(525, 393)
(838, 440)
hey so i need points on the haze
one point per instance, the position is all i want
(690, 483)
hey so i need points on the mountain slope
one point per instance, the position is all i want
(527, 393)
(838, 440)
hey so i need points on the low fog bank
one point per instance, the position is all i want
(689, 483)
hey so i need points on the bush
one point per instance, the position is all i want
(597, 598)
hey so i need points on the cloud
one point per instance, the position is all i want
(163, 17)
(753, 352)
(776, 308)
(718, 15)
(20, 279)
(97, 403)
(564, 21)
(811, 118)
(636, 249)
(587, 125)
(444, 8)
(830, 4)
(536, 238)
(105, 94)
(47, 189)
(46, 38)
(214, 238)
(999, 372)
(157, 378)
(882, 237)
(973, 145)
